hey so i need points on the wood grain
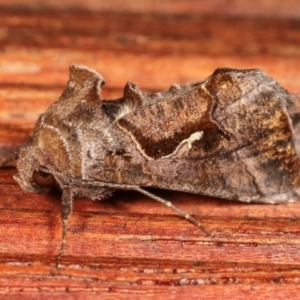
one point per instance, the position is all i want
(129, 244)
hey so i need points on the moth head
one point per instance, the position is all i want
(54, 143)
(31, 176)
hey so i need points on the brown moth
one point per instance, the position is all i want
(233, 135)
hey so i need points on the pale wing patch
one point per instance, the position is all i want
(196, 136)
(124, 110)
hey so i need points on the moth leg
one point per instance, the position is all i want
(66, 210)
(178, 210)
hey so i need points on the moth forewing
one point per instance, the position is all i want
(233, 135)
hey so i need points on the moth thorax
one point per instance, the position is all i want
(60, 150)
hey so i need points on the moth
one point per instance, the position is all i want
(234, 135)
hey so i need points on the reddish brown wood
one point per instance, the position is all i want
(288, 8)
(129, 243)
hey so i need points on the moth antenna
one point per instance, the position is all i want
(8, 160)
(178, 210)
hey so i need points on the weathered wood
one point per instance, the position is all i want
(128, 243)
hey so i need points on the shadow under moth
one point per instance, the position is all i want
(233, 135)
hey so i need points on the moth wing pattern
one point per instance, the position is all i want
(248, 149)
(158, 126)
(234, 135)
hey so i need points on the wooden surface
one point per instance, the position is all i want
(130, 245)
